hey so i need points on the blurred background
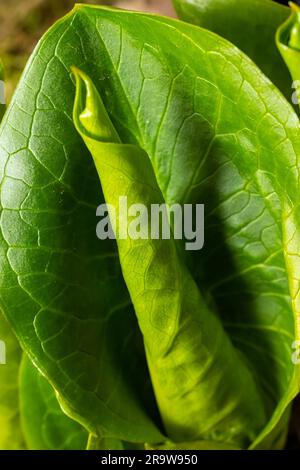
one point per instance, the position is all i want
(23, 22)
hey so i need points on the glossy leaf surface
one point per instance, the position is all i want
(216, 131)
(249, 24)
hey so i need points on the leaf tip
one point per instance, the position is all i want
(294, 7)
(89, 113)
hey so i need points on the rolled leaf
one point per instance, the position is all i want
(288, 43)
(189, 354)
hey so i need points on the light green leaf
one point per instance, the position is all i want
(250, 25)
(11, 437)
(288, 42)
(200, 445)
(96, 443)
(45, 426)
(217, 132)
(189, 354)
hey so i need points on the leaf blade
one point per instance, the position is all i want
(223, 165)
(44, 424)
(11, 435)
(250, 25)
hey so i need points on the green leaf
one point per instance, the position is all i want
(187, 348)
(200, 445)
(250, 25)
(11, 437)
(64, 294)
(216, 132)
(96, 443)
(288, 42)
(45, 426)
